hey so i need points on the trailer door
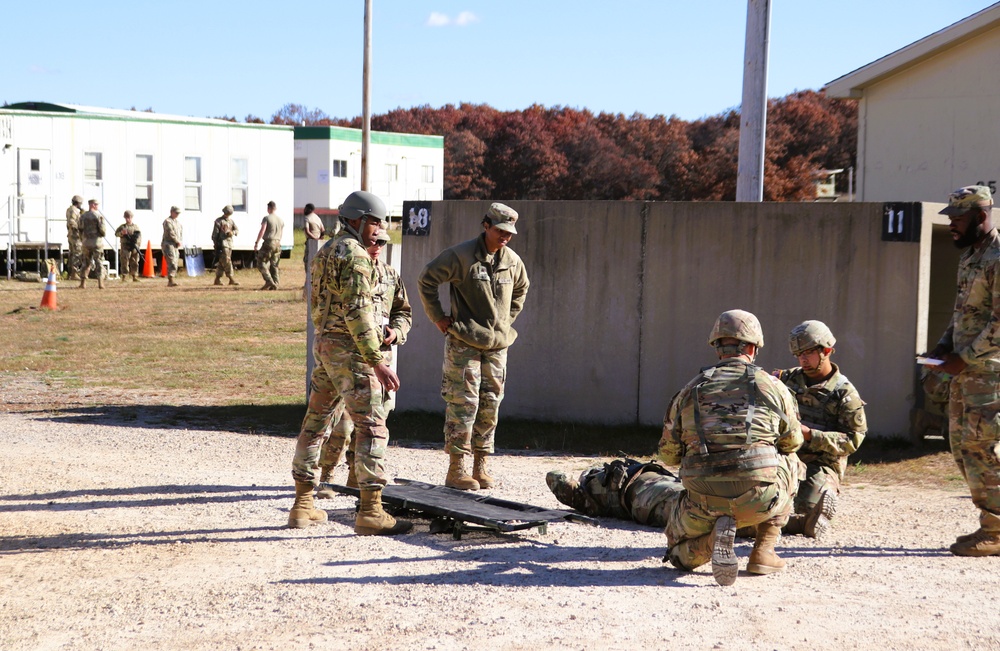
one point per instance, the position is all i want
(33, 187)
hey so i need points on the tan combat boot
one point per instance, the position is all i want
(763, 560)
(981, 543)
(818, 520)
(218, 281)
(372, 520)
(303, 514)
(232, 281)
(170, 282)
(323, 493)
(100, 282)
(83, 282)
(479, 471)
(458, 477)
(725, 564)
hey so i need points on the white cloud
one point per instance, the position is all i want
(437, 19)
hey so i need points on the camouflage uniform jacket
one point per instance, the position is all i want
(342, 302)
(392, 304)
(73, 222)
(223, 232)
(487, 292)
(92, 227)
(723, 404)
(834, 412)
(173, 232)
(129, 235)
(974, 333)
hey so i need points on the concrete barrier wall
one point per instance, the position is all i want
(623, 296)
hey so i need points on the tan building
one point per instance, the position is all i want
(929, 113)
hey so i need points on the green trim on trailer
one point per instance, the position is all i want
(378, 137)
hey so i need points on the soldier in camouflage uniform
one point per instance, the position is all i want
(223, 232)
(351, 368)
(170, 245)
(396, 317)
(269, 255)
(488, 284)
(833, 421)
(734, 432)
(92, 230)
(970, 349)
(73, 240)
(129, 234)
(626, 489)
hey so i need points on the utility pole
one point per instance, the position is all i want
(753, 110)
(366, 96)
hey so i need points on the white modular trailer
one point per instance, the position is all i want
(139, 161)
(401, 166)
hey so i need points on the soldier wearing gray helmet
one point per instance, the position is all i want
(970, 352)
(351, 369)
(488, 284)
(734, 431)
(92, 231)
(223, 232)
(833, 421)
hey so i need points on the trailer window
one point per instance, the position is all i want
(143, 182)
(92, 170)
(340, 168)
(427, 173)
(301, 168)
(192, 183)
(240, 181)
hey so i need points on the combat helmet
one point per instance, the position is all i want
(359, 204)
(227, 210)
(738, 324)
(810, 334)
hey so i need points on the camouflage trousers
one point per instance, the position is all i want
(130, 262)
(171, 255)
(472, 383)
(974, 433)
(340, 429)
(691, 515)
(75, 246)
(343, 380)
(93, 257)
(267, 260)
(819, 477)
(224, 262)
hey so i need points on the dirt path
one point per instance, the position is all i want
(141, 536)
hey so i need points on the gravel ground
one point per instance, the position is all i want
(146, 535)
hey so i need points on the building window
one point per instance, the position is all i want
(143, 182)
(427, 173)
(301, 168)
(340, 168)
(239, 180)
(391, 172)
(92, 168)
(192, 183)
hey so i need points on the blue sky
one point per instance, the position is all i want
(213, 58)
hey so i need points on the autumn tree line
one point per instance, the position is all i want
(567, 153)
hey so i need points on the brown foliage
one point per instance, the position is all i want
(567, 153)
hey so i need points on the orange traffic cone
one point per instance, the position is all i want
(147, 265)
(49, 297)
(163, 265)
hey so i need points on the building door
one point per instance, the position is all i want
(33, 189)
